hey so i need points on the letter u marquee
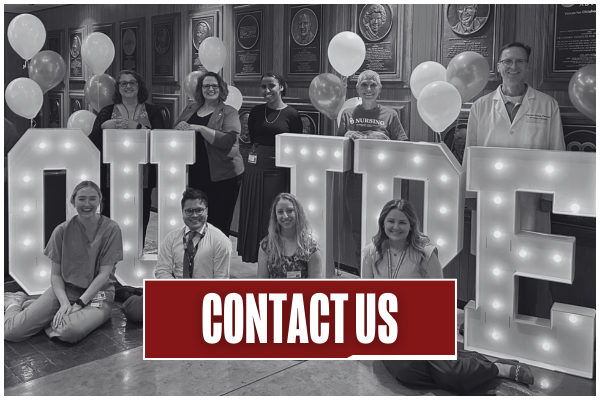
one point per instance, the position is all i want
(565, 342)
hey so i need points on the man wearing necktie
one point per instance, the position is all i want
(517, 116)
(196, 250)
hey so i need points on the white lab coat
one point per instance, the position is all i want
(537, 125)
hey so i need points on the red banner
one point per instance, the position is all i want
(293, 319)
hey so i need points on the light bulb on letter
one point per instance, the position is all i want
(498, 166)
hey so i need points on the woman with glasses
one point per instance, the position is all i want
(289, 251)
(219, 166)
(129, 111)
(263, 181)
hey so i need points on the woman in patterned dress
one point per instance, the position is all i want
(289, 251)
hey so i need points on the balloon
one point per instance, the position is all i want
(26, 34)
(191, 82)
(439, 105)
(346, 53)
(234, 98)
(47, 69)
(424, 74)
(469, 73)
(350, 103)
(99, 90)
(327, 93)
(83, 120)
(24, 97)
(212, 53)
(582, 91)
(98, 52)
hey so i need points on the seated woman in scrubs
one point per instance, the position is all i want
(84, 252)
(400, 250)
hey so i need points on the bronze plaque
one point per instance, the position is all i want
(574, 37)
(469, 27)
(248, 57)
(55, 113)
(132, 45)
(76, 66)
(76, 102)
(310, 122)
(305, 40)
(244, 134)
(165, 50)
(378, 27)
(168, 105)
(203, 25)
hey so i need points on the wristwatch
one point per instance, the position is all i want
(80, 302)
(139, 126)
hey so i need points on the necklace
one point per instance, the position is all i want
(134, 111)
(271, 122)
(395, 272)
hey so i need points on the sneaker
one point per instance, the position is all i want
(17, 298)
(519, 372)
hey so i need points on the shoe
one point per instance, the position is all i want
(519, 372)
(124, 292)
(461, 329)
(17, 298)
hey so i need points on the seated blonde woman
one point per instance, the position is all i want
(289, 251)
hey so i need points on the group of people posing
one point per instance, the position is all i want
(273, 228)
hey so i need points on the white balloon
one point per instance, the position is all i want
(234, 98)
(350, 103)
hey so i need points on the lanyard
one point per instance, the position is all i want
(400, 261)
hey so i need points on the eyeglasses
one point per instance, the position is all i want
(124, 84)
(191, 211)
(509, 63)
(213, 87)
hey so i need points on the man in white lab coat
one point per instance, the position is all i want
(516, 115)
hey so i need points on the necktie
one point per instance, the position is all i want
(189, 254)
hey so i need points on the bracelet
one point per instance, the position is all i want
(80, 302)
(139, 126)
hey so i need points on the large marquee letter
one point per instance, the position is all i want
(381, 162)
(566, 341)
(312, 158)
(36, 151)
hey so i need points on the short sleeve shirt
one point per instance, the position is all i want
(296, 262)
(381, 119)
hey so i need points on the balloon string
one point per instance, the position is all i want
(25, 64)
(345, 81)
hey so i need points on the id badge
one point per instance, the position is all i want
(99, 296)
(96, 304)
(252, 158)
(294, 274)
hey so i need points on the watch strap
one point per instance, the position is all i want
(80, 302)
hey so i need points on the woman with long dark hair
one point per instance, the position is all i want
(129, 111)
(219, 166)
(400, 250)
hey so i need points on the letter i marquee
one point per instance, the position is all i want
(312, 158)
(36, 151)
(565, 342)
(381, 162)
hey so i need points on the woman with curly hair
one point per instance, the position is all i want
(289, 251)
(401, 246)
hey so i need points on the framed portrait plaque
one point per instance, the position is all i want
(165, 48)
(377, 25)
(248, 43)
(303, 45)
(76, 102)
(108, 30)
(131, 40)
(77, 70)
(168, 104)
(202, 25)
(55, 110)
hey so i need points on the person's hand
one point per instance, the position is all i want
(354, 135)
(60, 314)
(376, 135)
(183, 126)
(75, 308)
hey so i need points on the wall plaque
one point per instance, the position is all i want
(248, 40)
(202, 25)
(76, 66)
(574, 37)
(304, 40)
(469, 27)
(165, 48)
(54, 42)
(55, 112)
(132, 45)
(76, 102)
(168, 104)
(108, 30)
(244, 134)
(377, 25)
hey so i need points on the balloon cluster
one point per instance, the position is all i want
(441, 91)
(327, 92)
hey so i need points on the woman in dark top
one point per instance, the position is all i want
(219, 165)
(263, 181)
(129, 111)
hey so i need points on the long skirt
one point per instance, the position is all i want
(262, 182)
